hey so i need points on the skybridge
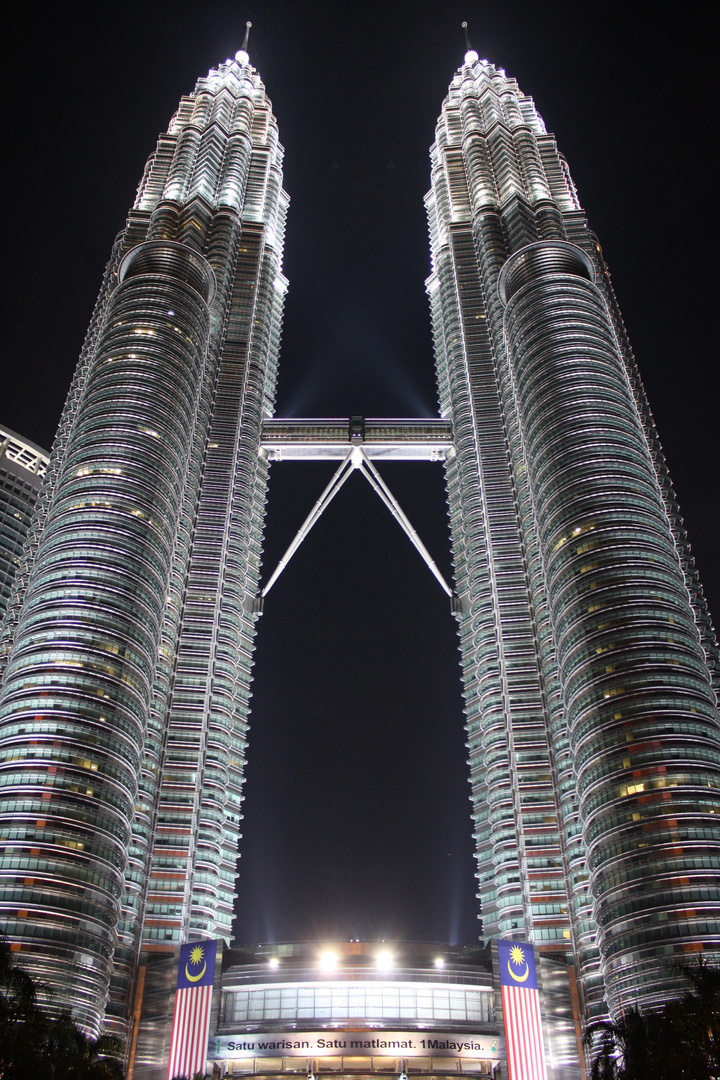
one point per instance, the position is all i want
(357, 443)
(328, 440)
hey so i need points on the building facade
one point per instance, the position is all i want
(589, 661)
(128, 648)
(22, 468)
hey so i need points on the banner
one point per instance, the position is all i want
(521, 1011)
(333, 1043)
(193, 1001)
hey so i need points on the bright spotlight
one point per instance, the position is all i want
(273, 963)
(384, 960)
(439, 962)
(328, 960)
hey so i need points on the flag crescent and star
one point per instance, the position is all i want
(517, 956)
(196, 964)
(197, 955)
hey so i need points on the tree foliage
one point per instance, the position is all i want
(33, 1044)
(680, 1042)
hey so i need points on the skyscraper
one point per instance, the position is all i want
(22, 467)
(128, 651)
(589, 661)
(588, 654)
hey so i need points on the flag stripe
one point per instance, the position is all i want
(523, 1032)
(172, 1040)
(176, 1036)
(538, 1038)
(191, 1024)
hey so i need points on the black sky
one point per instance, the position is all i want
(357, 813)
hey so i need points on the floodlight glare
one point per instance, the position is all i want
(439, 962)
(273, 963)
(328, 960)
(384, 960)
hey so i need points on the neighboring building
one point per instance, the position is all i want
(590, 664)
(128, 654)
(22, 468)
(588, 653)
(357, 1009)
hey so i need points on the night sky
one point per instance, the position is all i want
(357, 813)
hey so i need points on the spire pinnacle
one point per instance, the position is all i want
(470, 56)
(242, 54)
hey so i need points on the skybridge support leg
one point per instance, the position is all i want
(376, 481)
(338, 479)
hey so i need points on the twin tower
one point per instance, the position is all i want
(589, 662)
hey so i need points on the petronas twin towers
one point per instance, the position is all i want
(588, 656)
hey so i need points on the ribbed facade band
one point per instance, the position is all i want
(128, 643)
(589, 660)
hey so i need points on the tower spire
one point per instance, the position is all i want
(241, 55)
(470, 56)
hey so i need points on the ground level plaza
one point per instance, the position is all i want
(355, 1009)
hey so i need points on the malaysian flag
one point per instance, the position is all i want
(193, 1000)
(521, 1010)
